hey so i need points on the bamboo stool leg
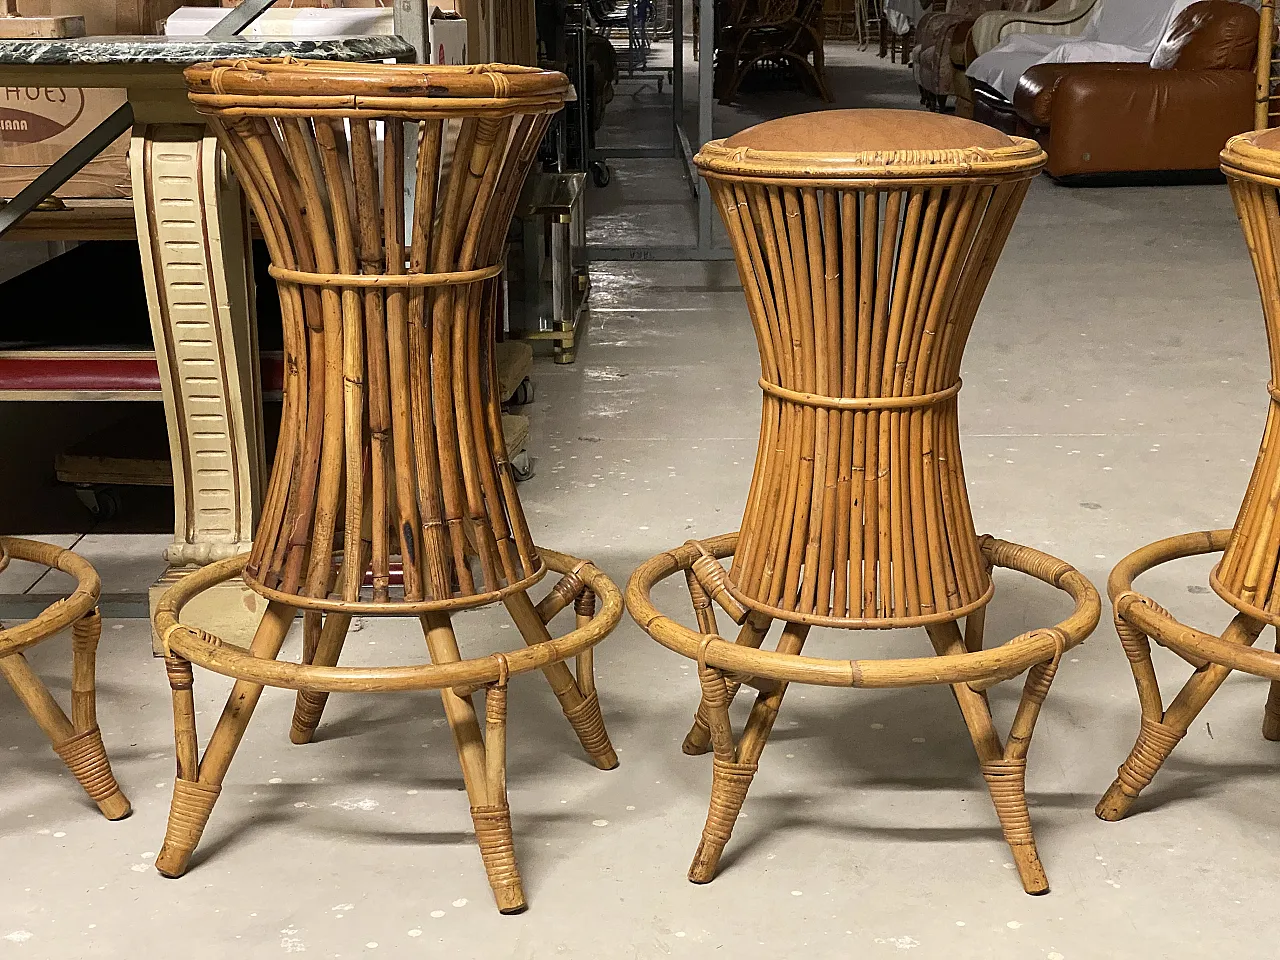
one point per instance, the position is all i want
(1004, 771)
(732, 773)
(193, 799)
(581, 708)
(309, 706)
(1159, 735)
(483, 769)
(1271, 719)
(750, 634)
(78, 743)
(584, 610)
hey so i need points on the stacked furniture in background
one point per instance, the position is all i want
(1173, 113)
(939, 31)
(864, 260)
(1066, 18)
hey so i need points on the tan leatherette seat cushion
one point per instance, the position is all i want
(849, 132)
(1267, 139)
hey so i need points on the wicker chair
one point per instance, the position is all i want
(77, 740)
(771, 33)
(863, 261)
(391, 442)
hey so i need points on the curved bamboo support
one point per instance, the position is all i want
(968, 671)
(77, 740)
(1138, 619)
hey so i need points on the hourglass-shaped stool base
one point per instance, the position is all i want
(723, 667)
(482, 755)
(77, 740)
(1139, 620)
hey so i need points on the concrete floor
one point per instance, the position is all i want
(1115, 393)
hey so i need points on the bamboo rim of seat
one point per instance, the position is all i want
(279, 86)
(1023, 158)
(984, 667)
(1241, 157)
(217, 655)
(63, 612)
(1194, 646)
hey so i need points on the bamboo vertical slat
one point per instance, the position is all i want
(863, 261)
(391, 453)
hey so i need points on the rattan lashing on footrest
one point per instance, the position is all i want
(192, 804)
(588, 723)
(86, 757)
(1155, 742)
(729, 785)
(1006, 779)
(497, 848)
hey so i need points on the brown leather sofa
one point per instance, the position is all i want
(1173, 114)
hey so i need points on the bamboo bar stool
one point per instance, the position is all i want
(1248, 575)
(77, 740)
(863, 260)
(391, 457)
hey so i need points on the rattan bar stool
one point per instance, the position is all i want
(77, 740)
(863, 260)
(391, 444)
(1248, 575)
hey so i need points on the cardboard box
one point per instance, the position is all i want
(449, 37)
(39, 124)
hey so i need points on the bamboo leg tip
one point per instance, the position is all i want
(606, 759)
(1030, 870)
(300, 735)
(1271, 727)
(172, 861)
(705, 863)
(116, 806)
(696, 744)
(1114, 804)
(510, 899)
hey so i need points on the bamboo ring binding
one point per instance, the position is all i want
(77, 740)
(1248, 575)
(391, 451)
(863, 264)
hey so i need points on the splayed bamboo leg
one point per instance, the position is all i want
(309, 706)
(78, 744)
(581, 708)
(483, 768)
(1157, 737)
(731, 776)
(750, 634)
(1271, 718)
(193, 800)
(1005, 773)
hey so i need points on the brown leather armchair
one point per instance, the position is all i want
(1174, 113)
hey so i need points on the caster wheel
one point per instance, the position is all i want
(523, 394)
(522, 466)
(102, 502)
(600, 174)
